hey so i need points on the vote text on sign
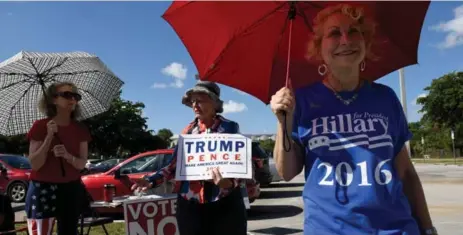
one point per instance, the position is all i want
(151, 216)
(199, 153)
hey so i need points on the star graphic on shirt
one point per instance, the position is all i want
(53, 196)
(53, 208)
(33, 207)
(45, 207)
(44, 191)
(34, 197)
(37, 185)
(43, 199)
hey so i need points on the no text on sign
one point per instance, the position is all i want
(197, 154)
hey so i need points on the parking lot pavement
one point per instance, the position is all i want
(443, 186)
(279, 210)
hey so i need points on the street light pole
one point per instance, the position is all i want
(424, 148)
(403, 100)
(452, 135)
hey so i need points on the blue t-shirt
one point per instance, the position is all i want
(352, 186)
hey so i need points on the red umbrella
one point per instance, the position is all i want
(241, 44)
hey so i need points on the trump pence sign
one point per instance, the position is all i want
(197, 154)
(151, 216)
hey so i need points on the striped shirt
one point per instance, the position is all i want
(199, 191)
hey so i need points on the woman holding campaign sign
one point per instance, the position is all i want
(349, 135)
(212, 207)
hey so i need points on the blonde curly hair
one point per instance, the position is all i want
(366, 24)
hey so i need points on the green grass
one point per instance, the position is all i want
(113, 229)
(448, 161)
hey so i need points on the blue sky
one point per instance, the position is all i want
(143, 50)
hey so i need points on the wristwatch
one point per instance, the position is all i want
(430, 231)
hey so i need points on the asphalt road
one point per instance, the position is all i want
(279, 210)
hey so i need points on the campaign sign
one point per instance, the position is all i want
(151, 216)
(198, 154)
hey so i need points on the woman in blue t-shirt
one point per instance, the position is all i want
(349, 136)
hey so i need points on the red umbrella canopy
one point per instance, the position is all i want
(245, 44)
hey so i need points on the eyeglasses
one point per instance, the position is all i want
(197, 101)
(69, 95)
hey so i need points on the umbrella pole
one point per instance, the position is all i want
(42, 85)
(291, 16)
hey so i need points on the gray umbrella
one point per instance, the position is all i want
(25, 76)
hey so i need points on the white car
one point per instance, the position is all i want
(91, 162)
(273, 170)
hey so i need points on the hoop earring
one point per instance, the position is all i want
(362, 66)
(322, 69)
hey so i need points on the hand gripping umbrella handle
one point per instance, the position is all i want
(63, 172)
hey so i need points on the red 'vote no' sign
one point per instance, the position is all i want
(151, 216)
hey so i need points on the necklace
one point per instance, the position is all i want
(339, 97)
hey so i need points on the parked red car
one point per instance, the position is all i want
(15, 180)
(124, 174)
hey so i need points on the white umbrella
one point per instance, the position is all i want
(25, 76)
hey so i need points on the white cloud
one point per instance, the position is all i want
(159, 86)
(234, 107)
(414, 113)
(414, 102)
(177, 84)
(143, 114)
(453, 28)
(176, 71)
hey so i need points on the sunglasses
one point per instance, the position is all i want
(69, 95)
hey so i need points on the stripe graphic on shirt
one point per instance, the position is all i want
(350, 142)
(356, 129)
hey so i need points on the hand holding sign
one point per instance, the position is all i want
(141, 185)
(219, 180)
(199, 153)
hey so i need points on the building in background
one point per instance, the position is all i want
(254, 137)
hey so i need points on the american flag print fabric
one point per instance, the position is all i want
(40, 226)
(41, 207)
(198, 191)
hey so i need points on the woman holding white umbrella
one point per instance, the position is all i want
(52, 196)
(73, 86)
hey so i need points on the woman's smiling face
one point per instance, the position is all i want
(342, 44)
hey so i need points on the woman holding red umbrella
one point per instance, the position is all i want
(349, 136)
